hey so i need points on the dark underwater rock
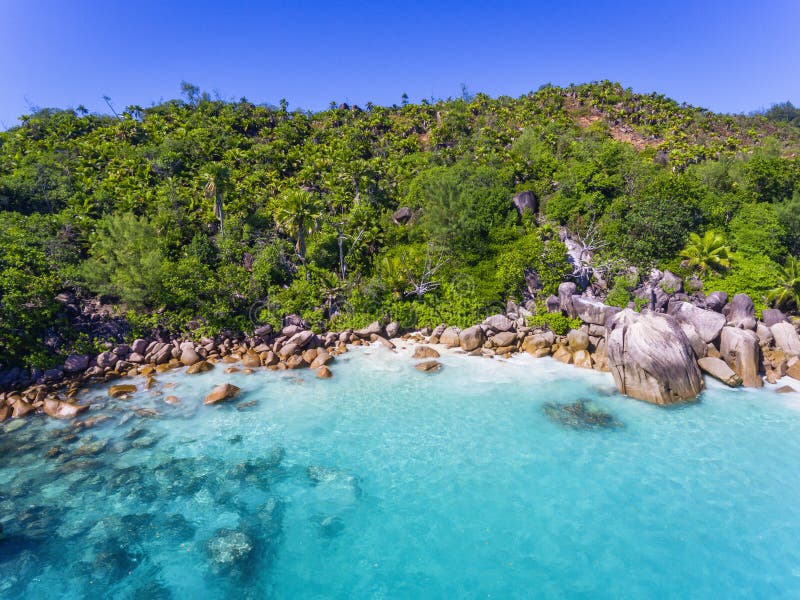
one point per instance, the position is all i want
(329, 527)
(230, 550)
(583, 414)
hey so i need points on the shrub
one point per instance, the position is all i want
(125, 260)
(555, 322)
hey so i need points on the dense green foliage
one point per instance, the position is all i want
(201, 214)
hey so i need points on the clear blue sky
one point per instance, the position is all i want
(729, 56)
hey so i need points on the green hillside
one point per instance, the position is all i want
(198, 214)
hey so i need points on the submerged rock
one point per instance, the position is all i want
(582, 414)
(330, 527)
(199, 367)
(429, 366)
(229, 549)
(63, 410)
(117, 391)
(224, 391)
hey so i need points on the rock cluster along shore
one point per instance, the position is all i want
(657, 355)
(292, 347)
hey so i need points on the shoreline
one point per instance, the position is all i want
(498, 336)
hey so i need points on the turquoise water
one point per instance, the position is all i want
(389, 483)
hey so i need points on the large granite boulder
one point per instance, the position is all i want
(107, 360)
(786, 338)
(504, 338)
(139, 346)
(451, 337)
(741, 312)
(498, 323)
(591, 311)
(739, 348)
(771, 316)
(392, 329)
(189, 356)
(699, 347)
(425, 352)
(707, 323)
(374, 328)
(651, 359)
(472, 338)
(63, 410)
(401, 216)
(716, 301)
(553, 304)
(671, 283)
(76, 363)
(565, 293)
(577, 339)
(719, 369)
(526, 201)
(429, 366)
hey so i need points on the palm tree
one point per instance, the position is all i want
(214, 189)
(296, 213)
(706, 253)
(787, 294)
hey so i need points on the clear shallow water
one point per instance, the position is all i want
(389, 483)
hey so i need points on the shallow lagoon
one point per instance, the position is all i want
(389, 483)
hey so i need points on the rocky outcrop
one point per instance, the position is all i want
(739, 348)
(718, 369)
(651, 359)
